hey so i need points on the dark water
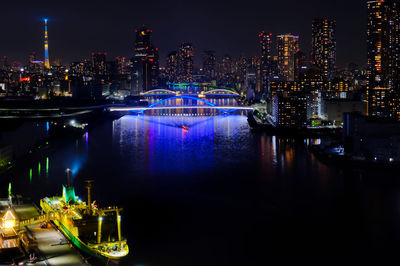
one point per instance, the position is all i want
(219, 194)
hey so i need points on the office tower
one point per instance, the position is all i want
(300, 65)
(46, 46)
(185, 63)
(171, 69)
(255, 64)
(121, 65)
(266, 58)
(383, 45)
(323, 50)
(145, 62)
(288, 46)
(209, 60)
(99, 64)
(226, 69)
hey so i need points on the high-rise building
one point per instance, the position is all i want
(145, 62)
(226, 71)
(46, 46)
(300, 65)
(209, 60)
(99, 64)
(383, 44)
(171, 69)
(185, 63)
(288, 46)
(266, 58)
(323, 50)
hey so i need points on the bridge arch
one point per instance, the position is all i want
(158, 91)
(221, 90)
(187, 97)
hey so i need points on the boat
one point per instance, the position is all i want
(185, 128)
(93, 230)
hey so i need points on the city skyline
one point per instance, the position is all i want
(73, 39)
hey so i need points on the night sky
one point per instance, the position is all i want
(76, 28)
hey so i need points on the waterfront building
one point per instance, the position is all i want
(288, 46)
(383, 45)
(370, 137)
(289, 109)
(323, 50)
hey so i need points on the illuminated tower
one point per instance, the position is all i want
(266, 58)
(185, 62)
(288, 46)
(46, 46)
(145, 62)
(383, 45)
(324, 46)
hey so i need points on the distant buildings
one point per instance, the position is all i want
(145, 62)
(185, 63)
(288, 46)
(383, 44)
(266, 60)
(171, 69)
(323, 50)
(209, 66)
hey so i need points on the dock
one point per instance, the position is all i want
(48, 245)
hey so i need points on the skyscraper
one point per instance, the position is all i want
(145, 62)
(99, 64)
(383, 44)
(288, 46)
(323, 50)
(266, 46)
(172, 66)
(46, 46)
(185, 62)
(209, 65)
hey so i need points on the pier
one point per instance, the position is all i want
(35, 243)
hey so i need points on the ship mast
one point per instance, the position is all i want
(89, 188)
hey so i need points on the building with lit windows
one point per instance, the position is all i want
(288, 46)
(99, 64)
(171, 69)
(289, 110)
(209, 61)
(323, 50)
(185, 63)
(145, 62)
(383, 44)
(266, 58)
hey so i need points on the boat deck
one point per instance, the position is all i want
(52, 246)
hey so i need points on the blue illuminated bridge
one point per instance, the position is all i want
(161, 105)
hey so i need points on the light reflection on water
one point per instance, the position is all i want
(194, 190)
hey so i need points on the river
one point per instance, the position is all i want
(216, 193)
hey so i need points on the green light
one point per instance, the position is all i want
(39, 168)
(47, 166)
(30, 175)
